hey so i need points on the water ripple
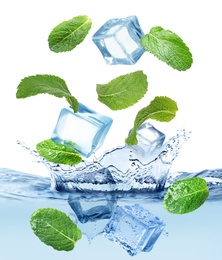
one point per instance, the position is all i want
(19, 186)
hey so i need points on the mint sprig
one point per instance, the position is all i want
(168, 47)
(58, 153)
(123, 91)
(68, 34)
(162, 109)
(186, 195)
(55, 229)
(42, 84)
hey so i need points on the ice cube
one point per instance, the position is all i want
(134, 228)
(89, 207)
(150, 141)
(84, 131)
(119, 40)
(149, 138)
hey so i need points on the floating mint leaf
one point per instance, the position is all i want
(123, 91)
(55, 228)
(68, 34)
(162, 109)
(186, 195)
(168, 47)
(41, 84)
(58, 153)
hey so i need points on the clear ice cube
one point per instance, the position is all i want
(119, 40)
(84, 131)
(149, 138)
(134, 228)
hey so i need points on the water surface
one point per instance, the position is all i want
(196, 235)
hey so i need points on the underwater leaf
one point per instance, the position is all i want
(55, 229)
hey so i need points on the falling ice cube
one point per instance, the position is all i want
(150, 141)
(84, 131)
(149, 138)
(134, 228)
(119, 40)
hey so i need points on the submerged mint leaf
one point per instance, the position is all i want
(55, 229)
(58, 153)
(186, 195)
(168, 47)
(68, 34)
(43, 83)
(123, 91)
(162, 109)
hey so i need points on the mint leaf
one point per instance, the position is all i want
(162, 109)
(186, 195)
(41, 84)
(123, 91)
(68, 34)
(168, 47)
(58, 153)
(55, 228)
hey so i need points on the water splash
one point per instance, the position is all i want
(119, 169)
(21, 186)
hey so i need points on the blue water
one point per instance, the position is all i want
(197, 234)
(16, 185)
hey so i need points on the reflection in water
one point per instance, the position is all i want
(92, 210)
(105, 194)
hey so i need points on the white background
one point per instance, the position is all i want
(25, 26)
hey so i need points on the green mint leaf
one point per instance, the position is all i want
(58, 153)
(55, 229)
(41, 84)
(68, 34)
(123, 91)
(186, 195)
(168, 47)
(162, 109)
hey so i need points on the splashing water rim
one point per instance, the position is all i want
(149, 176)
